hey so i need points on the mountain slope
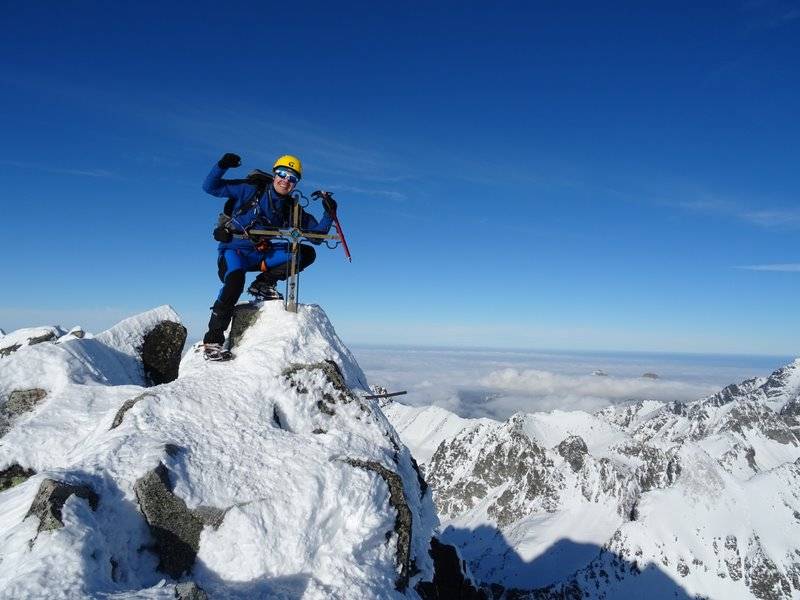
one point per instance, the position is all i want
(269, 476)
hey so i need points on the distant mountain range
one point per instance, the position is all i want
(659, 500)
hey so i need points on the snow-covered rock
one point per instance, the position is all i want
(650, 499)
(269, 476)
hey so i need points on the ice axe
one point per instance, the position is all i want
(329, 204)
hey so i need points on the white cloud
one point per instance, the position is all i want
(781, 267)
(767, 217)
(772, 218)
(496, 384)
(57, 170)
(555, 390)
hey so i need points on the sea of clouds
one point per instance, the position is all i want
(497, 384)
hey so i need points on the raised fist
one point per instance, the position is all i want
(229, 160)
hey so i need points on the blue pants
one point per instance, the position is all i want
(232, 264)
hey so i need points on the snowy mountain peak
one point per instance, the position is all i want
(267, 476)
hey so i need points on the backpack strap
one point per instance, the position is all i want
(261, 181)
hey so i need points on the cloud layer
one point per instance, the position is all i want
(497, 384)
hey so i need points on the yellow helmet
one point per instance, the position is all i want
(290, 162)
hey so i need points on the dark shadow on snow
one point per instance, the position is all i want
(561, 572)
(282, 587)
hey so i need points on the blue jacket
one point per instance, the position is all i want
(271, 211)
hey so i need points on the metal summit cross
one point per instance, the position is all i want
(294, 234)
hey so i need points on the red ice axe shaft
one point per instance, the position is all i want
(341, 236)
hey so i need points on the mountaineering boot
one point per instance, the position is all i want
(264, 289)
(216, 352)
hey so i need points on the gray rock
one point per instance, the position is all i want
(650, 376)
(762, 576)
(790, 413)
(6, 351)
(660, 469)
(449, 580)
(18, 403)
(297, 376)
(176, 529)
(210, 515)
(129, 404)
(50, 500)
(14, 475)
(161, 351)
(190, 591)
(574, 450)
(402, 523)
(507, 456)
(244, 315)
(45, 337)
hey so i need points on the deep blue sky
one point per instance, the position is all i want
(546, 175)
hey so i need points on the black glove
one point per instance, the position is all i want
(229, 160)
(328, 203)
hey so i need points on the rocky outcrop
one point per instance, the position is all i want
(190, 591)
(19, 402)
(176, 529)
(449, 580)
(573, 450)
(487, 458)
(127, 405)
(335, 392)
(50, 500)
(14, 475)
(244, 315)
(161, 352)
(660, 469)
(790, 413)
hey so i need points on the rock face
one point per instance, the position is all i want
(449, 581)
(129, 404)
(244, 315)
(190, 591)
(14, 475)
(175, 528)
(703, 493)
(161, 351)
(51, 498)
(573, 449)
(19, 402)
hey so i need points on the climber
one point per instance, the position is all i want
(262, 200)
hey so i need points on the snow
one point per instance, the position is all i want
(557, 543)
(300, 522)
(22, 337)
(549, 429)
(424, 428)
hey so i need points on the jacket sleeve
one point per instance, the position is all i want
(322, 226)
(225, 188)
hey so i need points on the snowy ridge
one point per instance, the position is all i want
(293, 485)
(423, 429)
(696, 499)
